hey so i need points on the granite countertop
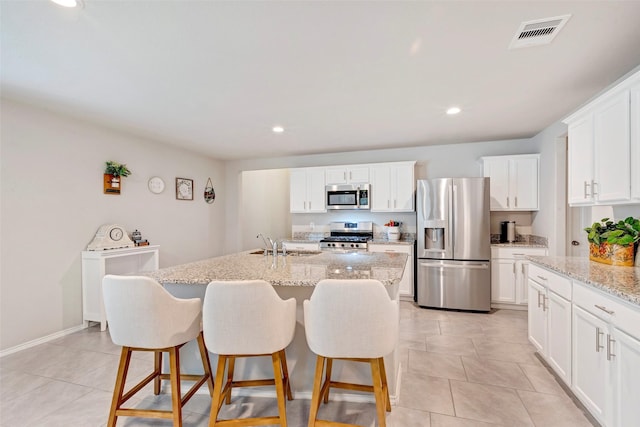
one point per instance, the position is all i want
(292, 270)
(623, 282)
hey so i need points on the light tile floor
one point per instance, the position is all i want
(459, 370)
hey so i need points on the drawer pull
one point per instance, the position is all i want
(604, 309)
(542, 278)
(518, 254)
(598, 346)
(544, 302)
(610, 353)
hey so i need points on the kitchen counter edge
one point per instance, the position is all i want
(623, 282)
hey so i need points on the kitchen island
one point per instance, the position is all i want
(293, 276)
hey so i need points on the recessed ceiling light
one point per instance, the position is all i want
(453, 110)
(67, 3)
(278, 129)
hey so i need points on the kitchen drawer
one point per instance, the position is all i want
(516, 252)
(378, 247)
(301, 246)
(557, 283)
(619, 313)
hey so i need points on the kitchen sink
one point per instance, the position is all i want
(289, 253)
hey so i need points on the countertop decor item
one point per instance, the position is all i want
(113, 174)
(184, 189)
(209, 192)
(613, 242)
(393, 230)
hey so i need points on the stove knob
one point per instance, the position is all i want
(352, 245)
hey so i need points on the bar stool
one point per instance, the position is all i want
(352, 320)
(143, 316)
(248, 319)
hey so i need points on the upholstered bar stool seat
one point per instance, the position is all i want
(248, 319)
(143, 316)
(352, 320)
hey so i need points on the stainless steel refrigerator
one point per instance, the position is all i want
(454, 244)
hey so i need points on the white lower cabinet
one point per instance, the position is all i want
(406, 284)
(591, 340)
(606, 356)
(509, 275)
(550, 319)
(626, 379)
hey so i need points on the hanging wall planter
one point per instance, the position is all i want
(209, 192)
(113, 174)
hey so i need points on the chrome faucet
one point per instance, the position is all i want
(266, 245)
(274, 246)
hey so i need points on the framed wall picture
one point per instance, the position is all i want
(184, 189)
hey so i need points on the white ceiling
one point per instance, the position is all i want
(215, 76)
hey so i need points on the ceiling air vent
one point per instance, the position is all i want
(538, 32)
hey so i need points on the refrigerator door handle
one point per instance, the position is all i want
(458, 266)
(451, 219)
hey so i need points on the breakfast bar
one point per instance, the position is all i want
(293, 276)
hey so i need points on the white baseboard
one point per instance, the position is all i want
(42, 340)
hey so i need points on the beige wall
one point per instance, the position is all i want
(52, 203)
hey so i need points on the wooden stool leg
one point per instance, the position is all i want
(385, 386)
(118, 389)
(327, 380)
(206, 364)
(277, 379)
(232, 367)
(176, 397)
(377, 390)
(157, 369)
(285, 374)
(315, 396)
(216, 400)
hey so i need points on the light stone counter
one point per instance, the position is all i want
(293, 276)
(296, 269)
(623, 282)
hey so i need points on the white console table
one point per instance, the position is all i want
(96, 264)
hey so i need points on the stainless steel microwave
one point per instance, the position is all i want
(348, 196)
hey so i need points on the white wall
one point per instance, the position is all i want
(52, 203)
(432, 162)
(265, 201)
(550, 221)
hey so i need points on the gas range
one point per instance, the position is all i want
(352, 236)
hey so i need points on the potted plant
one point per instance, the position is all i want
(613, 242)
(112, 173)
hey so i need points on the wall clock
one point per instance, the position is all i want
(156, 185)
(184, 189)
(110, 236)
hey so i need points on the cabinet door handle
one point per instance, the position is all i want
(388, 204)
(544, 302)
(542, 278)
(598, 346)
(522, 268)
(586, 186)
(539, 295)
(610, 353)
(516, 198)
(507, 201)
(593, 188)
(604, 309)
(305, 206)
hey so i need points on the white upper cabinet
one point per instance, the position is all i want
(307, 190)
(603, 140)
(513, 182)
(635, 141)
(393, 187)
(347, 175)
